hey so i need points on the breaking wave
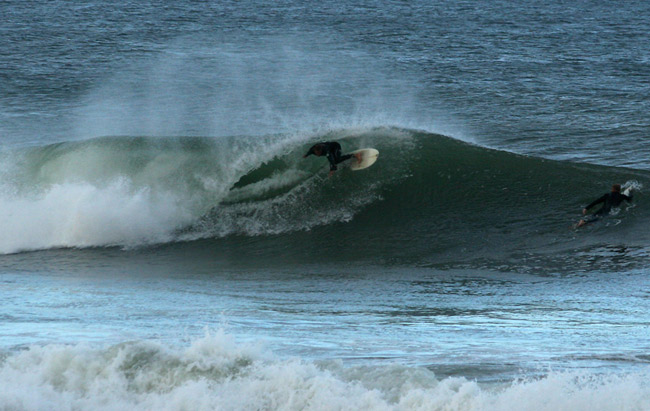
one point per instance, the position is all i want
(217, 373)
(435, 197)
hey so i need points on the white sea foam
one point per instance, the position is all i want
(134, 191)
(116, 192)
(217, 373)
(81, 215)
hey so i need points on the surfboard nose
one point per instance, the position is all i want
(366, 157)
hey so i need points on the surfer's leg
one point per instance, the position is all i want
(345, 157)
(339, 158)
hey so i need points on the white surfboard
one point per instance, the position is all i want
(628, 191)
(368, 158)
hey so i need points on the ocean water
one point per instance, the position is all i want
(164, 245)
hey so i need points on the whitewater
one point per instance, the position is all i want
(216, 373)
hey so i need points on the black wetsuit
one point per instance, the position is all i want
(609, 200)
(332, 150)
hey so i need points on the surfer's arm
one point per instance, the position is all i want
(627, 198)
(310, 152)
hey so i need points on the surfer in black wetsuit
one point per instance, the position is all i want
(609, 200)
(332, 150)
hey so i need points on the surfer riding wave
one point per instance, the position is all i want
(332, 150)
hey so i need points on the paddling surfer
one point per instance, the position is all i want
(609, 200)
(332, 150)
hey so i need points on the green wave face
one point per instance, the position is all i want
(429, 199)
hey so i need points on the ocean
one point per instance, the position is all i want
(164, 245)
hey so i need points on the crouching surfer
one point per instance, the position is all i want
(332, 150)
(612, 199)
